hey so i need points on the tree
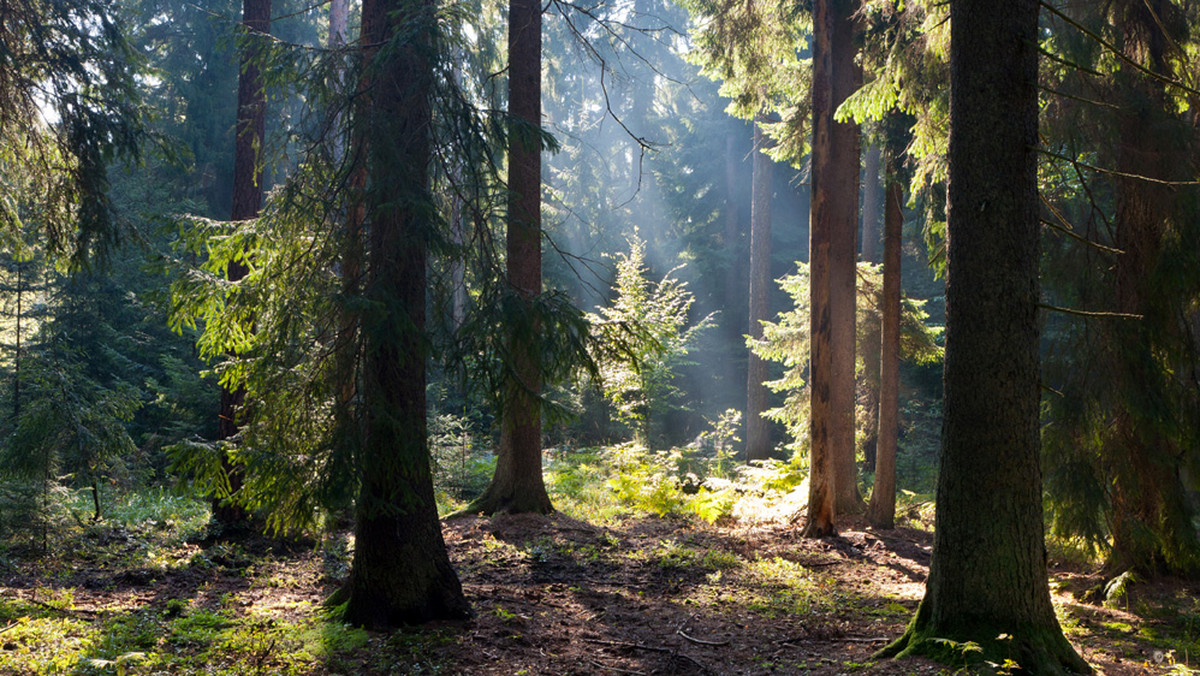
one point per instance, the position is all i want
(517, 484)
(987, 579)
(787, 339)
(640, 340)
(758, 431)
(832, 253)
(401, 572)
(882, 510)
(67, 60)
(249, 134)
(1119, 440)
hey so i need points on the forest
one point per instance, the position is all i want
(585, 337)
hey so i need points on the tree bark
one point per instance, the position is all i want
(758, 430)
(882, 511)
(843, 264)
(250, 133)
(872, 203)
(517, 485)
(832, 258)
(820, 517)
(400, 573)
(987, 579)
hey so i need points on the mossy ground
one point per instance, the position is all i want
(630, 593)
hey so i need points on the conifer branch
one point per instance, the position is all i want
(1114, 172)
(1073, 97)
(1091, 314)
(1117, 52)
(1064, 226)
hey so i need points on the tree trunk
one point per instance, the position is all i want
(517, 484)
(348, 350)
(832, 266)
(987, 579)
(882, 512)
(843, 263)
(758, 430)
(732, 240)
(400, 573)
(250, 133)
(1150, 515)
(820, 518)
(871, 202)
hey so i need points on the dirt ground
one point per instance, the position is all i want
(664, 596)
(643, 595)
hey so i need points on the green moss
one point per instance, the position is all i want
(986, 649)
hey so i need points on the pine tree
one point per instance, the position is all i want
(987, 579)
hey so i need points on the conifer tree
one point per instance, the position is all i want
(249, 136)
(988, 578)
(400, 573)
(517, 484)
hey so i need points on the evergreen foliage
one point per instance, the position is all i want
(647, 332)
(786, 342)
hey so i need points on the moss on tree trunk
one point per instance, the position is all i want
(988, 577)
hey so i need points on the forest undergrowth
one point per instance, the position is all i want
(645, 569)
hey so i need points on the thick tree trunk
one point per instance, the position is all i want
(401, 572)
(820, 517)
(250, 133)
(758, 430)
(517, 484)
(832, 266)
(987, 579)
(882, 511)
(843, 264)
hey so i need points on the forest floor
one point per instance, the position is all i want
(552, 595)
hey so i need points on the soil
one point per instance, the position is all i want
(643, 595)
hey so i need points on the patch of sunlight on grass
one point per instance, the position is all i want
(45, 645)
(1067, 620)
(578, 486)
(772, 587)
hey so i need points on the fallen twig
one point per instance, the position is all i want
(674, 653)
(616, 669)
(861, 639)
(624, 644)
(699, 641)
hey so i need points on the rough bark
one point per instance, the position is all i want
(820, 516)
(400, 573)
(250, 132)
(832, 267)
(758, 430)
(882, 511)
(988, 578)
(517, 484)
